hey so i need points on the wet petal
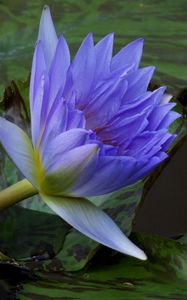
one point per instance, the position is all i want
(93, 222)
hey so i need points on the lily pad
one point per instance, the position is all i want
(163, 276)
(28, 235)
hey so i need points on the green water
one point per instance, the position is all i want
(163, 24)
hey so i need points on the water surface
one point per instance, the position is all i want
(163, 24)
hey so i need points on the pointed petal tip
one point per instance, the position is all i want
(134, 251)
(111, 34)
(94, 223)
(89, 39)
(166, 98)
(138, 41)
(46, 7)
(150, 70)
(141, 255)
(90, 35)
(141, 39)
(46, 13)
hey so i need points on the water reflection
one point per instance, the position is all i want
(162, 23)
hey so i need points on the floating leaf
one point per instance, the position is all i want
(163, 276)
(28, 235)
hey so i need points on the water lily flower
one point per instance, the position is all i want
(95, 129)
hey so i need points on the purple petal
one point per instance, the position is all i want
(129, 55)
(93, 222)
(64, 170)
(105, 104)
(168, 119)
(47, 35)
(37, 122)
(142, 144)
(118, 129)
(62, 143)
(38, 68)
(103, 51)
(146, 166)
(111, 173)
(61, 118)
(137, 83)
(19, 148)
(58, 70)
(83, 70)
(158, 114)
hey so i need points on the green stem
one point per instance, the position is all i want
(16, 193)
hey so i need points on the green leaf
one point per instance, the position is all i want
(163, 276)
(31, 236)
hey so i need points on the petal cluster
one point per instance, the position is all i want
(95, 128)
(98, 127)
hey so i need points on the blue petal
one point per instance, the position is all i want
(58, 70)
(148, 144)
(62, 143)
(105, 104)
(83, 70)
(137, 83)
(158, 114)
(168, 119)
(60, 119)
(129, 55)
(103, 51)
(143, 102)
(19, 147)
(117, 130)
(47, 35)
(111, 173)
(38, 68)
(38, 113)
(146, 166)
(93, 222)
(64, 170)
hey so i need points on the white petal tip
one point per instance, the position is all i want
(136, 252)
(140, 255)
(166, 98)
